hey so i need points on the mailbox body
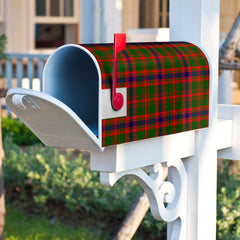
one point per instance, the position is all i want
(165, 88)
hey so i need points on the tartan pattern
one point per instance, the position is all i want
(167, 89)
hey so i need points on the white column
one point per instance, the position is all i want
(197, 21)
(112, 20)
(87, 22)
(225, 94)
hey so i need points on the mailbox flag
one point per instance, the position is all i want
(119, 45)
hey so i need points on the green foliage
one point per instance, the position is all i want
(228, 208)
(3, 41)
(22, 227)
(66, 179)
(55, 177)
(19, 132)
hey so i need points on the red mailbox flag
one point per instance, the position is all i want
(119, 45)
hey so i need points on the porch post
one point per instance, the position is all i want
(197, 21)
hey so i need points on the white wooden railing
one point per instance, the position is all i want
(22, 70)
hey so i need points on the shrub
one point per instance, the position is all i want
(64, 178)
(19, 132)
(56, 177)
(3, 42)
(228, 207)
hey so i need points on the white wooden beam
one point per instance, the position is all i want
(231, 112)
(143, 153)
(224, 134)
(197, 21)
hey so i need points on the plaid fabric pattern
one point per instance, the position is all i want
(167, 89)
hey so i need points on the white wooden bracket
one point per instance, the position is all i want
(232, 113)
(168, 199)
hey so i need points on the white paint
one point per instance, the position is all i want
(224, 134)
(143, 153)
(107, 110)
(87, 22)
(112, 19)
(25, 83)
(225, 87)
(197, 21)
(148, 35)
(54, 123)
(173, 192)
(118, 5)
(36, 84)
(97, 13)
(231, 112)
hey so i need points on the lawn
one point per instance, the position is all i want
(21, 227)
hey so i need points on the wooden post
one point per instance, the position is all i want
(133, 218)
(197, 21)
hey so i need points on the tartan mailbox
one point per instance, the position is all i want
(132, 105)
(163, 88)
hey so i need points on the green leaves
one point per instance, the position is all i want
(63, 178)
(20, 133)
(228, 207)
(3, 41)
(67, 179)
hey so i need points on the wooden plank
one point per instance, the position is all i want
(19, 72)
(8, 73)
(229, 65)
(30, 71)
(40, 66)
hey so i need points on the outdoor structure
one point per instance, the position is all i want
(40, 26)
(187, 200)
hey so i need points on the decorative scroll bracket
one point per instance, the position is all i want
(168, 199)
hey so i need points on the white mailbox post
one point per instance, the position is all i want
(61, 116)
(198, 21)
(191, 187)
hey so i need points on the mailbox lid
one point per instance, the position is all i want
(53, 122)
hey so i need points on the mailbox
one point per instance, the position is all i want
(163, 89)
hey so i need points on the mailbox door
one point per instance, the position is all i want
(53, 122)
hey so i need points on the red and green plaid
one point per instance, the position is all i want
(167, 89)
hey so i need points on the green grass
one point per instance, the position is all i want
(21, 227)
